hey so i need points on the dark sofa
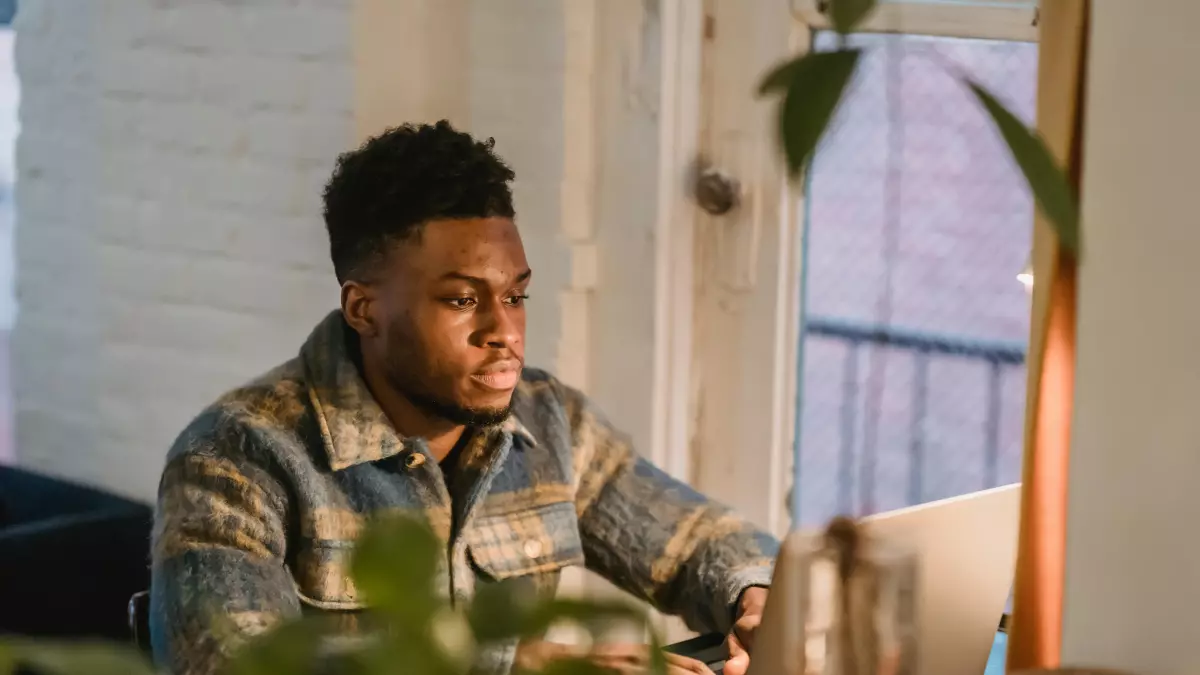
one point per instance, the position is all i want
(70, 557)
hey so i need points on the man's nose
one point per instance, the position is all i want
(502, 330)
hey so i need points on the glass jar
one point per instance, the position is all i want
(848, 605)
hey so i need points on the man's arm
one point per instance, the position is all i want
(218, 572)
(656, 537)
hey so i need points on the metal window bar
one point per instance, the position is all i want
(998, 355)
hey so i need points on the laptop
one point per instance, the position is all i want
(967, 548)
(711, 650)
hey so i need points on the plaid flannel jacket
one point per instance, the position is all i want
(265, 491)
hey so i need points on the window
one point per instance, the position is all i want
(913, 324)
(860, 346)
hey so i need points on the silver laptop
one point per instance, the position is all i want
(967, 549)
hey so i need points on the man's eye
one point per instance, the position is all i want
(516, 300)
(461, 303)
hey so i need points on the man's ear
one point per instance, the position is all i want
(359, 308)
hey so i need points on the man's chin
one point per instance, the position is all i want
(471, 414)
(480, 416)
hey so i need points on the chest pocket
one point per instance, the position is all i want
(537, 542)
(322, 577)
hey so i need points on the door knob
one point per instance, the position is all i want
(717, 192)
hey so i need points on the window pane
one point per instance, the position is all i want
(914, 327)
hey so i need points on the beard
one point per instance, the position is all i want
(420, 389)
(450, 411)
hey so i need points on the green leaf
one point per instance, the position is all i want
(1046, 179)
(779, 77)
(505, 610)
(395, 563)
(499, 611)
(574, 666)
(593, 616)
(452, 640)
(8, 659)
(816, 84)
(658, 657)
(78, 658)
(291, 649)
(403, 652)
(847, 14)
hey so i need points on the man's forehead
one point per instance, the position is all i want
(475, 249)
(496, 229)
(488, 276)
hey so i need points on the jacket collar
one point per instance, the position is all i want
(354, 429)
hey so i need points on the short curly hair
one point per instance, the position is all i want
(387, 189)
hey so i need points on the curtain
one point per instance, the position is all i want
(1036, 632)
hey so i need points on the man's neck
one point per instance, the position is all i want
(407, 418)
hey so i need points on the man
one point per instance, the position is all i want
(414, 396)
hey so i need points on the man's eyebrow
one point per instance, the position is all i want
(523, 276)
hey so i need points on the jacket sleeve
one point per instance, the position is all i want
(218, 572)
(654, 536)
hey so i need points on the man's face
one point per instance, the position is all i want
(450, 307)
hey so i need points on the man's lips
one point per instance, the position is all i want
(499, 375)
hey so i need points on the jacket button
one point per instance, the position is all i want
(533, 547)
(414, 460)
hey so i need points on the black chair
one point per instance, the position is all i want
(70, 557)
(139, 620)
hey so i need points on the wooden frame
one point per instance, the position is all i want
(682, 27)
(1013, 20)
(747, 273)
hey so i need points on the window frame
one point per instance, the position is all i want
(1008, 20)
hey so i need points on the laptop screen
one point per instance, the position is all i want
(999, 654)
(995, 662)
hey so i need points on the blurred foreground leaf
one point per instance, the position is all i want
(499, 611)
(74, 658)
(578, 666)
(8, 659)
(593, 616)
(395, 563)
(814, 86)
(1046, 179)
(506, 610)
(404, 653)
(847, 14)
(658, 657)
(291, 649)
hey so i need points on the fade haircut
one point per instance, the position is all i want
(386, 190)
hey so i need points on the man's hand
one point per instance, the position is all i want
(621, 659)
(741, 638)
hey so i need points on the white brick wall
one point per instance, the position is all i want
(516, 57)
(169, 243)
(169, 239)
